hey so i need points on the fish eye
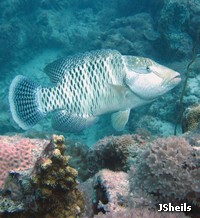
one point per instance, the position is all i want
(143, 70)
(148, 68)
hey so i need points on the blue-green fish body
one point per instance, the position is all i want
(87, 86)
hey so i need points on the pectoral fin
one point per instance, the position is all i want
(119, 119)
(66, 122)
(119, 89)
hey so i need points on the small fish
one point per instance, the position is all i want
(88, 85)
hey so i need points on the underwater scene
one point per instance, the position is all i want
(100, 109)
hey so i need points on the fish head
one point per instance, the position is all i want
(148, 79)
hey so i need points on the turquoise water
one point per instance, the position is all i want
(34, 34)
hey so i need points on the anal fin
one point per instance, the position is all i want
(65, 122)
(119, 119)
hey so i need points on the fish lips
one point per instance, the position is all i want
(176, 79)
(172, 82)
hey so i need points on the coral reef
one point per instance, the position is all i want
(165, 170)
(111, 191)
(155, 125)
(112, 152)
(161, 171)
(174, 17)
(107, 195)
(192, 95)
(193, 137)
(79, 157)
(79, 26)
(136, 35)
(106, 192)
(191, 118)
(141, 212)
(48, 188)
(168, 171)
(18, 154)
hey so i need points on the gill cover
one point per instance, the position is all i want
(148, 79)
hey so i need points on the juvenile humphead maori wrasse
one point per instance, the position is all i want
(88, 85)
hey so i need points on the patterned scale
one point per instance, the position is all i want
(84, 87)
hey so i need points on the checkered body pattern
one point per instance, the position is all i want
(83, 90)
(84, 87)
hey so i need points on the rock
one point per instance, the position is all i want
(106, 192)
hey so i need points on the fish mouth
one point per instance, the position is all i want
(175, 79)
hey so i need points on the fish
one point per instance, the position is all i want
(86, 86)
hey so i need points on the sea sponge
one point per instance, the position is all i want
(168, 171)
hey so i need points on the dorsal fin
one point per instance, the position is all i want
(57, 69)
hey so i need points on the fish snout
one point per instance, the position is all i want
(172, 79)
(176, 77)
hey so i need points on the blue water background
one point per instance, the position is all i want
(34, 33)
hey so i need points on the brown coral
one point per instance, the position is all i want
(56, 181)
(112, 152)
(191, 118)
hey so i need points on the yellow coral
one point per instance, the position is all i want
(46, 164)
(46, 192)
(57, 182)
(191, 118)
(58, 139)
(57, 153)
(72, 171)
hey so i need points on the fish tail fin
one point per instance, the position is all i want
(24, 102)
